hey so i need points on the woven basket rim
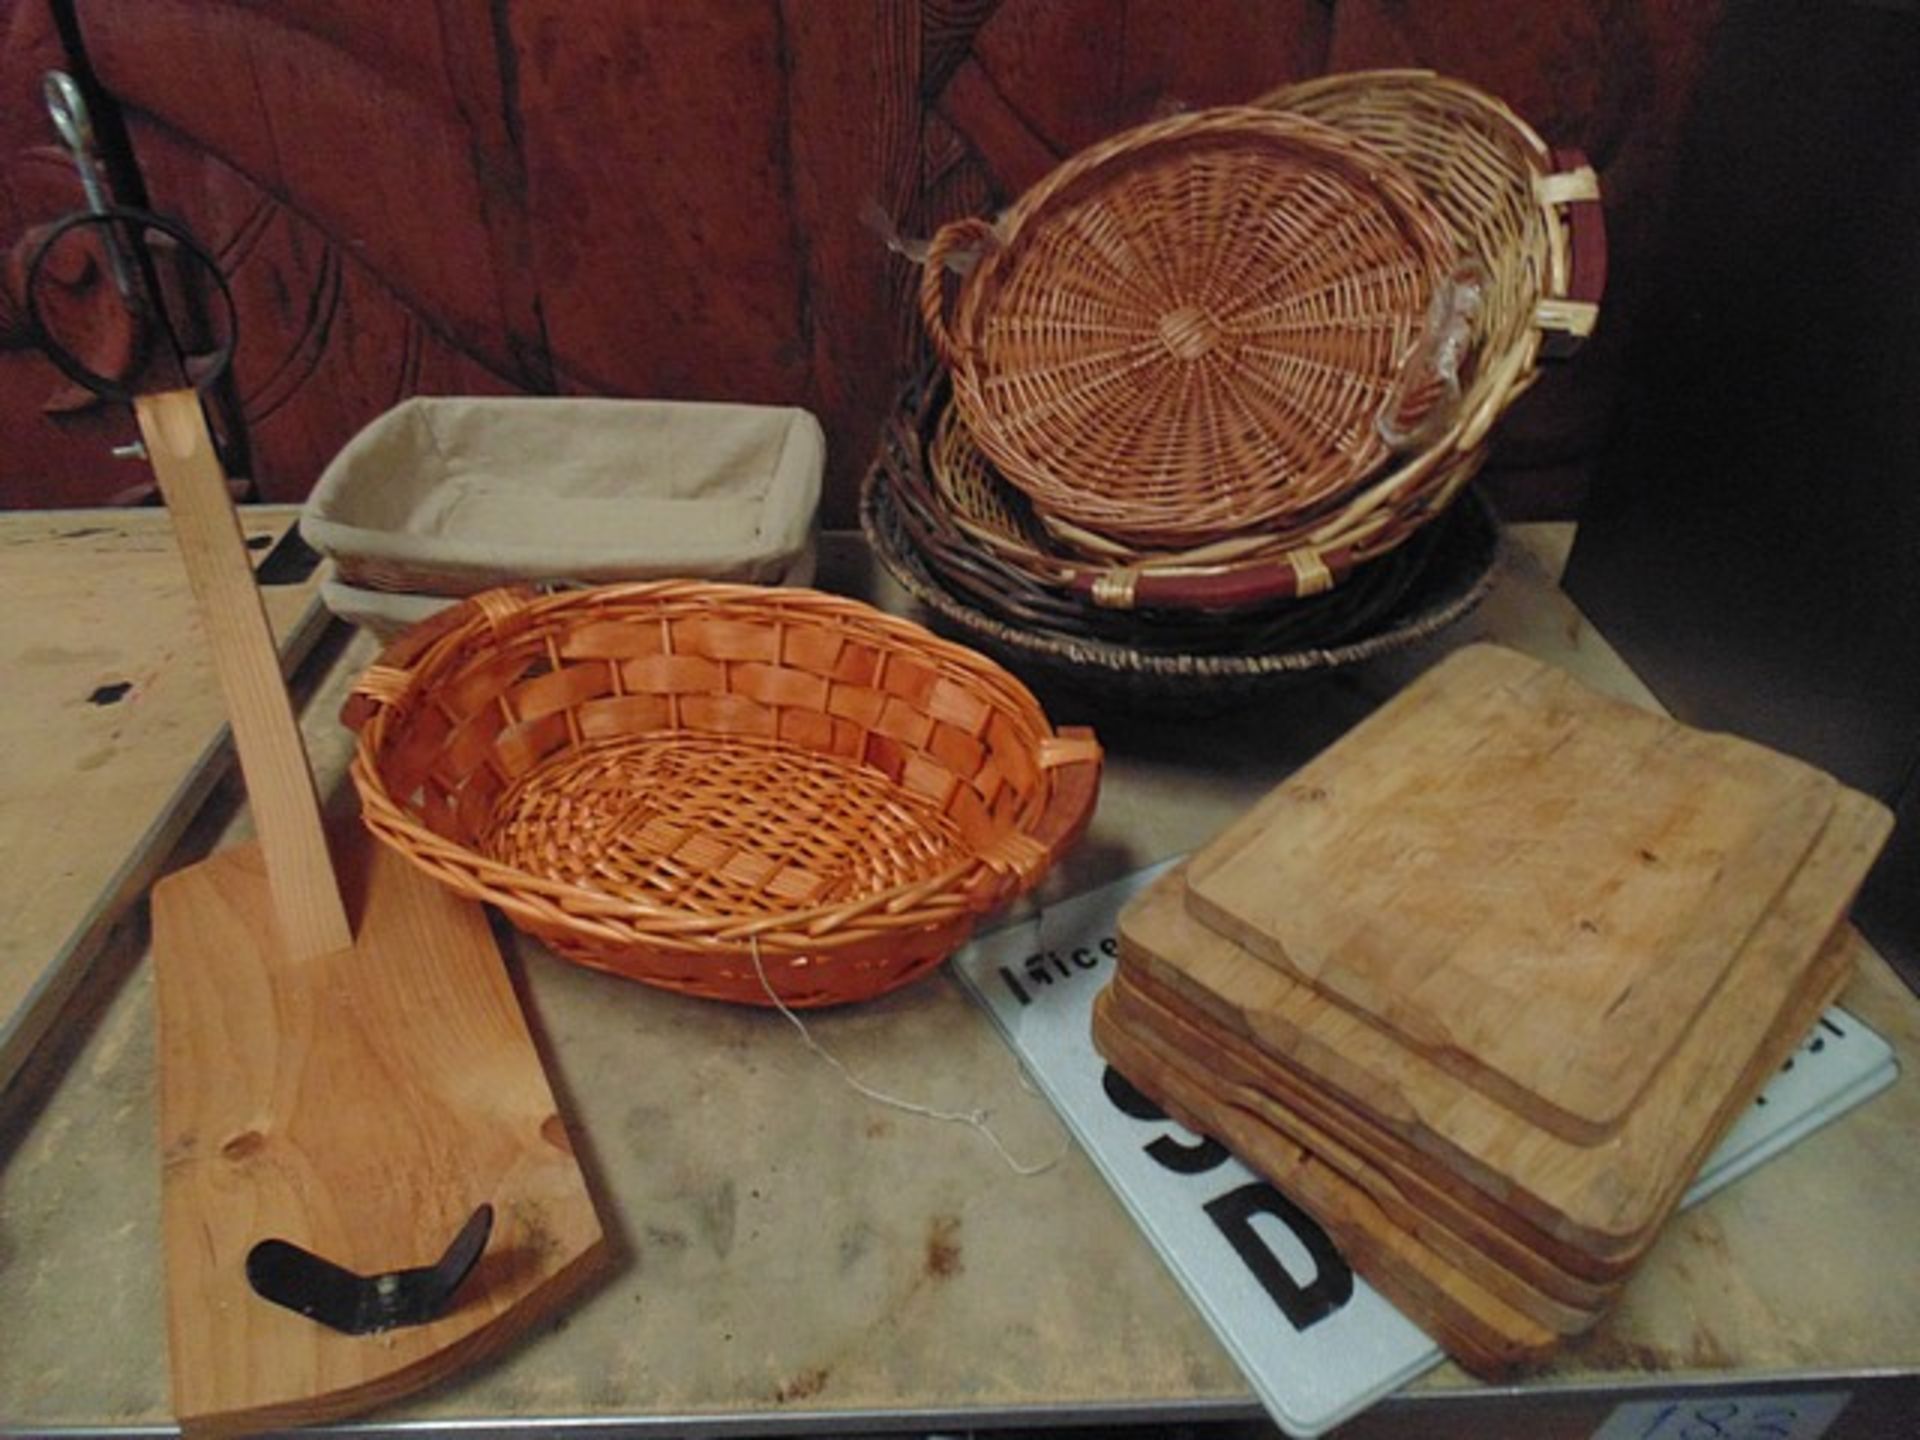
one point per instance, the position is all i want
(1111, 658)
(1324, 554)
(1419, 81)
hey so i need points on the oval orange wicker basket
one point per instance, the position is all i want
(1194, 328)
(697, 785)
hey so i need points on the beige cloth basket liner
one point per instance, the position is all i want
(458, 494)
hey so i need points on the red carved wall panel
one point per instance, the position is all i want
(652, 197)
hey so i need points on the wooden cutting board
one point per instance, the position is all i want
(1468, 1226)
(1599, 1201)
(1476, 1327)
(1535, 885)
(1491, 1322)
(112, 734)
(1491, 1256)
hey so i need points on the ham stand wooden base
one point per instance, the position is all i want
(344, 1068)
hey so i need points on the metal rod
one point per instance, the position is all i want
(67, 108)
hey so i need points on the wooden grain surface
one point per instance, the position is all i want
(1535, 885)
(1483, 1241)
(360, 1103)
(111, 735)
(1602, 1203)
(612, 195)
(790, 1254)
(1490, 1320)
(233, 620)
(1479, 1328)
(357, 1090)
(1472, 1242)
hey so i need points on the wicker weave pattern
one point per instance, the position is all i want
(397, 577)
(1190, 330)
(1252, 570)
(908, 508)
(1507, 199)
(1443, 585)
(1493, 180)
(981, 503)
(660, 778)
(680, 818)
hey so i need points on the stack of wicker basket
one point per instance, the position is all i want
(1205, 388)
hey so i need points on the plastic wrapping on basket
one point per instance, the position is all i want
(959, 260)
(1438, 361)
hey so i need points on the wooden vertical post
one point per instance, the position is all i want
(286, 810)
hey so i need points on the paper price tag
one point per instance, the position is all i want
(1726, 1417)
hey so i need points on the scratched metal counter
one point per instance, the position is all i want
(794, 1258)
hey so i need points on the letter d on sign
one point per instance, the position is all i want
(1304, 1305)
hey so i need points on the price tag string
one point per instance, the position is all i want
(974, 1119)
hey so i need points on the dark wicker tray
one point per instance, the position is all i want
(1434, 583)
(973, 532)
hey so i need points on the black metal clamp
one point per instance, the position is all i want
(341, 1299)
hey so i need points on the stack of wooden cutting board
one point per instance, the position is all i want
(1483, 984)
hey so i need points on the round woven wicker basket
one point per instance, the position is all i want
(1526, 216)
(1527, 220)
(1194, 328)
(717, 789)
